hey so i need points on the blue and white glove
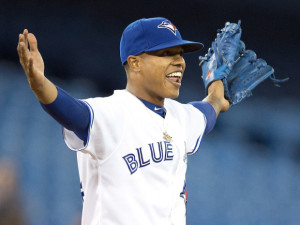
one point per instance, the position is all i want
(238, 68)
(224, 52)
(246, 74)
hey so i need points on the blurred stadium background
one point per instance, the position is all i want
(247, 170)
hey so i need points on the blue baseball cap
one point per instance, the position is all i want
(146, 35)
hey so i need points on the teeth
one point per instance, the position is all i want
(175, 74)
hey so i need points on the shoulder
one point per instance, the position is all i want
(116, 98)
(184, 113)
(175, 106)
(119, 104)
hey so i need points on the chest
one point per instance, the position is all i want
(149, 144)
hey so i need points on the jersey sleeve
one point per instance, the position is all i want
(195, 125)
(73, 140)
(105, 128)
(207, 109)
(192, 123)
(69, 112)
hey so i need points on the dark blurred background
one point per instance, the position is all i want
(247, 169)
(80, 39)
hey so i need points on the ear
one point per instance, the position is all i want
(134, 63)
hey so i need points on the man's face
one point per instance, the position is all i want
(161, 74)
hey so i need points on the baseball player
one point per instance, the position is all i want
(132, 146)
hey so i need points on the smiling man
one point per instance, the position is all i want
(132, 146)
(159, 74)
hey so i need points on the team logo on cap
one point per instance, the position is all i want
(167, 24)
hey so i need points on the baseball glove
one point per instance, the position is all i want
(241, 71)
(224, 52)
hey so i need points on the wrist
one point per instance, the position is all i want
(46, 92)
(216, 96)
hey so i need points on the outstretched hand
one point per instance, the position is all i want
(31, 60)
(33, 66)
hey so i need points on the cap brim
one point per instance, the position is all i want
(188, 46)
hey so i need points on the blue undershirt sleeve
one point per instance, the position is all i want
(207, 109)
(70, 112)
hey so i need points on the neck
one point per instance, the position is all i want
(159, 110)
(141, 95)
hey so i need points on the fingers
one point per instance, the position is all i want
(29, 40)
(23, 39)
(32, 42)
(23, 50)
(25, 33)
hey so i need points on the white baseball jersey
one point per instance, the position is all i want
(129, 174)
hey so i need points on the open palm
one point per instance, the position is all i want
(31, 60)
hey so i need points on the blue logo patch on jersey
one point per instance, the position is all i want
(168, 25)
(183, 194)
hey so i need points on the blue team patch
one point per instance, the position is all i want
(168, 25)
(183, 194)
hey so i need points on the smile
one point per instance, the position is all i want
(175, 77)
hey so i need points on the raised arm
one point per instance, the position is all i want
(33, 66)
(70, 112)
(212, 104)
